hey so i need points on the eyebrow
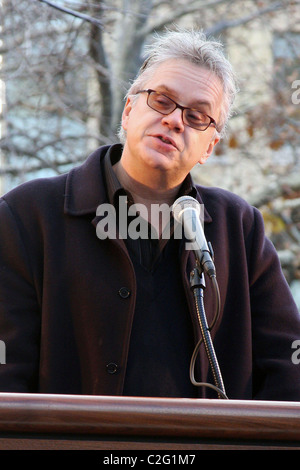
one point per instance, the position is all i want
(165, 89)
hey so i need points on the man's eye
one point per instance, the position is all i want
(196, 116)
(162, 101)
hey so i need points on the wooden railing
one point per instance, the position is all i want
(37, 421)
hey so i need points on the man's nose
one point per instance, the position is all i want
(174, 120)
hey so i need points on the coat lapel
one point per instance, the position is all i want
(85, 188)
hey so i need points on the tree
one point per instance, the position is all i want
(67, 64)
(73, 68)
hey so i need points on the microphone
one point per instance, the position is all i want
(186, 211)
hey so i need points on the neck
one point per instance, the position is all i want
(148, 196)
(153, 193)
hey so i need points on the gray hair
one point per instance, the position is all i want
(194, 47)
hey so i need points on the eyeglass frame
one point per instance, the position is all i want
(149, 91)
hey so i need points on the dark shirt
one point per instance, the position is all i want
(146, 251)
(162, 341)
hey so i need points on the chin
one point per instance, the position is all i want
(158, 159)
(160, 164)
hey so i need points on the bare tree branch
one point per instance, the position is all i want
(225, 24)
(74, 13)
(177, 13)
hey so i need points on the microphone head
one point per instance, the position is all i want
(193, 231)
(182, 203)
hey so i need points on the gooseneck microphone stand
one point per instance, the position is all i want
(197, 282)
(187, 211)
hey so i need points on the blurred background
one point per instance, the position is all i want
(65, 67)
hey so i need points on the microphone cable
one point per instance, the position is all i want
(206, 337)
(186, 211)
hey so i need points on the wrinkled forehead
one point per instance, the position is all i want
(187, 83)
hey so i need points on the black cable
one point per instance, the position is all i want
(206, 338)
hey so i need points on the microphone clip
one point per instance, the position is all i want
(197, 279)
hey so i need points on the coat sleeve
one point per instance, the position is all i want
(275, 323)
(19, 309)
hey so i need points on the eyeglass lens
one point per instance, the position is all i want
(164, 105)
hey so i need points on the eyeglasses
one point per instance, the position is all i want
(190, 116)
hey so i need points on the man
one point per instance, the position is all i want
(85, 310)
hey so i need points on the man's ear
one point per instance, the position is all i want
(210, 148)
(126, 112)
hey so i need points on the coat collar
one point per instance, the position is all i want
(85, 187)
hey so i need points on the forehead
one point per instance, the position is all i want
(188, 83)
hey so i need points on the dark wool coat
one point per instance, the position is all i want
(64, 315)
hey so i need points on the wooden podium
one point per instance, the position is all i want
(66, 422)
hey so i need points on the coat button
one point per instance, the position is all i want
(111, 368)
(124, 292)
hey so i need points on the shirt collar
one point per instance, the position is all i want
(113, 186)
(86, 188)
(115, 189)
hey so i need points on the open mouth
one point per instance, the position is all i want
(166, 140)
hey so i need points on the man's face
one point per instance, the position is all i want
(163, 144)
